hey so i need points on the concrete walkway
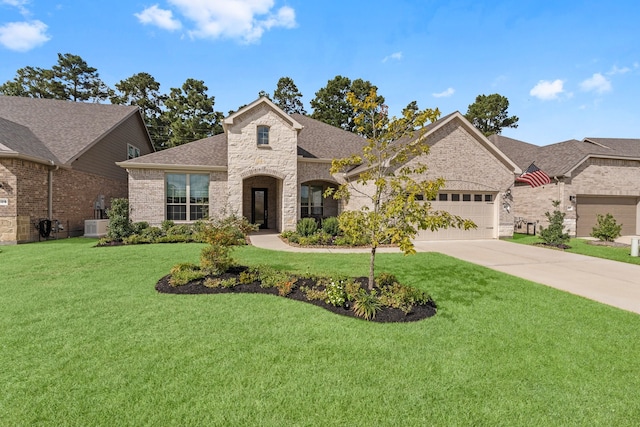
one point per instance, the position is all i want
(609, 282)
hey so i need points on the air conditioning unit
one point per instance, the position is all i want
(95, 227)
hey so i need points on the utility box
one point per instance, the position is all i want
(95, 227)
(634, 246)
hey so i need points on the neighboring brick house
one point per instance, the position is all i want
(589, 177)
(57, 158)
(273, 168)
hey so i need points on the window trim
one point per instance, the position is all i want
(136, 152)
(187, 196)
(309, 205)
(260, 135)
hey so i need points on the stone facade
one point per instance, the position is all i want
(464, 159)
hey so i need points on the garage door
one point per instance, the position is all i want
(623, 210)
(478, 207)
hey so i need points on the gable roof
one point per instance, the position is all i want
(562, 158)
(316, 140)
(457, 117)
(66, 129)
(203, 154)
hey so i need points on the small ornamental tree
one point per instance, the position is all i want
(395, 190)
(606, 229)
(554, 234)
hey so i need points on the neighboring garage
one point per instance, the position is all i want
(623, 209)
(478, 207)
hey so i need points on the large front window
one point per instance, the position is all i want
(311, 201)
(187, 196)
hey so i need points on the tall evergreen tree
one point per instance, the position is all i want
(143, 90)
(189, 114)
(489, 114)
(75, 80)
(288, 97)
(31, 82)
(331, 106)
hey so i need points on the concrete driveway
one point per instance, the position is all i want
(610, 282)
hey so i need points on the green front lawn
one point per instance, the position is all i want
(87, 341)
(582, 247)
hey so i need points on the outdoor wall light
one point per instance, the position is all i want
(572, 199)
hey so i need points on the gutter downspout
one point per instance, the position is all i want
(50, 200)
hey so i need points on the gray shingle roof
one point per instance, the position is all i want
(322, 141)
(560, 158)
(17, 139)
(210, 151)
(66, 128)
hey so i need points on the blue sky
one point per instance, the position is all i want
(570, 69)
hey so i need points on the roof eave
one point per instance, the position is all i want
(165, 166)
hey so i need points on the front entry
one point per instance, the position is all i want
(259, 207)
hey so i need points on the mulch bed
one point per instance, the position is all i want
(385, 315)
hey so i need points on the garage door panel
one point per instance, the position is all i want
(623, 209)
(481, 213)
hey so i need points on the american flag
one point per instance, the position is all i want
(534, 176)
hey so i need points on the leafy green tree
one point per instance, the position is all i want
(394, 189)
(331, 105)
(75, 80)
(143, 90)
(288, 97)
(489, 114)
(189, 114)
(31, 82)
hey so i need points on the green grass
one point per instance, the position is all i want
(582, 247)
(87, 341)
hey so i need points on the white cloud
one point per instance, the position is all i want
(547, 90)
(246, 20)
(159, 17)
(447, 93)
(396, 56)
(20, 4)
(615, 70)
(23, 36)
(596, 83)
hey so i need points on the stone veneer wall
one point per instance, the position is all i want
(279, 160)
(147, 195)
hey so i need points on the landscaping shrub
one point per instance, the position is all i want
(139, 227)
(606, 229)
(183, 273)
(554, 234)
(119, 223)
(306, 227)
(216, 258)
(386, 279)
(331, 226)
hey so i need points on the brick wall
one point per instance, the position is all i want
(27, 191)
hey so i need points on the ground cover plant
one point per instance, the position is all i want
(88, 341)
(620, 253)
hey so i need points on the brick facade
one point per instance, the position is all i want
(27, 193)
(594, 177)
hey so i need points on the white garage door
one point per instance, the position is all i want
(478, 207)
(623, 209)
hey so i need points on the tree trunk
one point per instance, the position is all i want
(372, 262)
